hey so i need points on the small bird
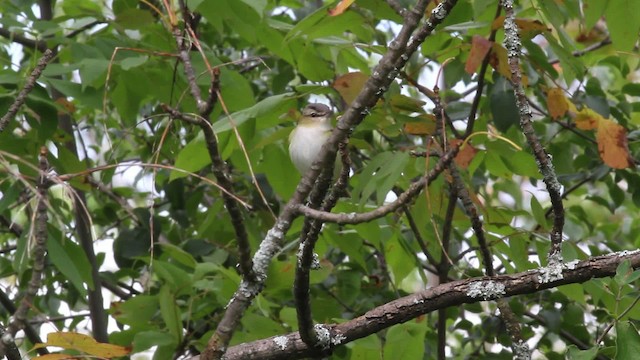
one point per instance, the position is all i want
(312, 131)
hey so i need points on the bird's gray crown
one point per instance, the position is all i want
(316, 110)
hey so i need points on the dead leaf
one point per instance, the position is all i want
(419, 128)
(465, 154)
(349, 85)
(557, 103)
(613, 145)
(341, 7)
(528, 27)
(479, 49)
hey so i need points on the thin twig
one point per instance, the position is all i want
(38, 254)
(28, 86)
(513, 45)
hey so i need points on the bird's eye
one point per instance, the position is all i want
(314, 114)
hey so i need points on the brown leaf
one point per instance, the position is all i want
(341, 7)
(420, 128)
(349, 85)
(557, 103)
(612, 144)
(465, 155)
(479, 49)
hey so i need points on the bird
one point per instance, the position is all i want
(311, 132)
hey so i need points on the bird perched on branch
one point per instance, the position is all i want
(312, 131)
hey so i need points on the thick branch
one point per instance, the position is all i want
(455, 293)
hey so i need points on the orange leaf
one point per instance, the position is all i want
(349, 85)
(465, 155)
(557, 103)
(612, 144)
(587, 119)
(479, 49)
(341, 7)
(83, 343)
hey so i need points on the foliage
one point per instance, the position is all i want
(136, 211)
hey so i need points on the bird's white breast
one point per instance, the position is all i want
(306, 142)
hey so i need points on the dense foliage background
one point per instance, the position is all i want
(147, 196)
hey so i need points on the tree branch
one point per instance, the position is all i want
(400, 50)
(513, 45)
(39, 251)
(455, 293)
(404, 198)
(28, 86)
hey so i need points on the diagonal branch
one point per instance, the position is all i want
(28, 86)
(399, 52)
(454, 293)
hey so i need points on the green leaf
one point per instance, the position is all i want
(178, 280)
(503, 105)
(271, 106)
(170, 313)
(593, 12)
(405, 341)
(574, 353)
(627, 341)
(623, 23)
(367, 348)
(69, 258)
(147, 339)
(192, 158)
(137, 311)
(179, 255)
(538, 212)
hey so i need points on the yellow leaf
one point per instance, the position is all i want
(479, 49)
(55, 357)
(557, 103)
(349, 85)
(499, 60)
(83, 343)
(612, 144)
(587, 119)
(528, 27)
(341, 7)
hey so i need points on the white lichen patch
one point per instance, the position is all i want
(338, 339)
(571, 265)
(281, 341)
(521, 351)
(553, 271)
(628, 252)
(324, 336)
(486, 290)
